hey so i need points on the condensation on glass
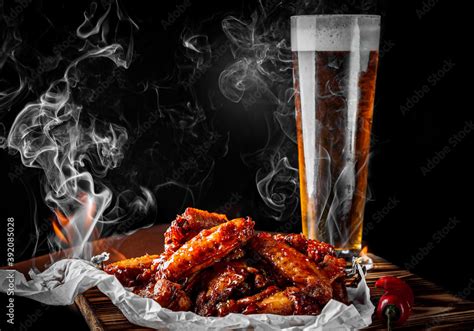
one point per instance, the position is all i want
(334, 70)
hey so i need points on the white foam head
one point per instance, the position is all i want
(334, 32)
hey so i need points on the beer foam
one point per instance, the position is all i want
(334, 32)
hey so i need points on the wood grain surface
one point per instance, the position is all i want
(434, 309)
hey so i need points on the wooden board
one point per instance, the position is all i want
(434, 308)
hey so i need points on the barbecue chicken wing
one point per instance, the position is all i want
(315, 250)
(132, 272)
(236, 279)
(214, 267)
(325, 256)
(206, 248)
(290, 301)
(238, 306)
(189, 224)
(294, 266)
(168, 294)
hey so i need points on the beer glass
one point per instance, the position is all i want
(334, 70)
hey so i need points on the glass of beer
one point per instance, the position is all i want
(334, 70)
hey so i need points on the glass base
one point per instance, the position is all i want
(354, 257)
(348, 254)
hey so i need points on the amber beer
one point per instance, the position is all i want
(334, 70)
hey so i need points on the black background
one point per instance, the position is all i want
(415, 45)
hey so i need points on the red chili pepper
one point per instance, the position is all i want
(397, 301)
(397, 286)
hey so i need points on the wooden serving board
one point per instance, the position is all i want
(434, 308)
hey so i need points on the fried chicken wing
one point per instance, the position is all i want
(339, 291)
(215, 267)
(196, 282)
(238, 306)
(160, 260)
(132, 272)
(333, 268)
(235, 278)
(314, 249)
(325, 256)
(236, 254)
(290, 301)
(245, 302)
(278, 303)
(293, 265)
(220, 288)
(206, 248)
(297, 241)
(318, 250)
(168, 294)
(189, 224)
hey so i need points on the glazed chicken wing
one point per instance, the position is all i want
(215, 267)
(290, 301)
(339, 291)
(167, 294)
(297, 241)
(314, 249)
(236, 279)
(321, 253)
(293, 265)
(238, 306)
(325, 256)
(132, 272)
(220, 288)
(189, 224)
(206, 248)
(333, 268)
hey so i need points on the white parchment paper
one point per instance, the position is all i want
(65, 279)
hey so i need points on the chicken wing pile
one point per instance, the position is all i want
(215, 266)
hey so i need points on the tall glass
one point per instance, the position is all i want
(334, 70)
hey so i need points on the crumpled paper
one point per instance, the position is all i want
(65, 279)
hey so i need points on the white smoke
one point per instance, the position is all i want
(261, 73)
(261, 58)
(73, 148)
(8, 61)
(49, 135)
(278, 188)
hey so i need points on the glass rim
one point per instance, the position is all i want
(334, 32)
